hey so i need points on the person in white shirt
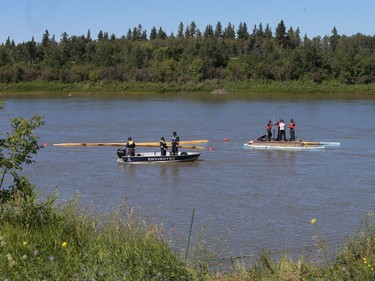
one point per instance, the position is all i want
(282, 134)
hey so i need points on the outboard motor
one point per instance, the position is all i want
(121, 152)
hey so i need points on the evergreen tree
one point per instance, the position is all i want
(280, 35)
(192, 29)
(209, 32)
(229, 32)
(144, 35)
(218, 30)
(334, 39)
(129, 35)
(153, 33)
(64, 38)
(260, 33)
(100, 35)
(31, 48)
(242, 32)
(88, 36)
(7, 42)
(45, 39)
(180, 32)
(268, 32)
(161, 33)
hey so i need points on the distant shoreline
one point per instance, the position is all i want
(214, 87)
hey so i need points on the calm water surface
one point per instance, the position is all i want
(245, 200)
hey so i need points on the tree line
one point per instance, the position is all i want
(216, 53)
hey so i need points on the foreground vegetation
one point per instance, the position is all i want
(70, 243)
(46, 240)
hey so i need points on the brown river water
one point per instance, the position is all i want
(244, 200)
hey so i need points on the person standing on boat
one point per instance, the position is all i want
(175, 142)
(163, 146)
(278, 130)
(282, 130)
(292, 127)
(130, 145)
(269, 130)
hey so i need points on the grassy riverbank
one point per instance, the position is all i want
(295, 87)
(70, 243)
(67, 242)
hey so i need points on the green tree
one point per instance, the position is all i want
(218, 30)
(45, 39)
(153, 33)
(16, 149)
(196, 69)
(334, 39)
(193, 29)
(180, 32)
(209, 32)
(88, 36)
(280, 35)
(229, 32)
(161, 33)
(242, 32)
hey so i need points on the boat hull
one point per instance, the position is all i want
(155, 157)
(282, 145)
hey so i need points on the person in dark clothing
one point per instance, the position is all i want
(278, 130)
(130, 145)
(292, 128)
(163, 146)
(269, 130)
(175, 142)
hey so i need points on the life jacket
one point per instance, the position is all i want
(269, 126)
(292, 125)
(130, 144)
(163, 144)
(176, 139)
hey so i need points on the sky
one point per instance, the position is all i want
(23, 19)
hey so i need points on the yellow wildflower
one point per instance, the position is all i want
(24, 243)
(64, 244)
(313, 221)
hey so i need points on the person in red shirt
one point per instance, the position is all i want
(269, 130)
(292, 128)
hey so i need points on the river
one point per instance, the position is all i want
(244, 200)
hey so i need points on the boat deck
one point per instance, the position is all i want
(286, 145)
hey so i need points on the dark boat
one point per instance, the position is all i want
(156, 157)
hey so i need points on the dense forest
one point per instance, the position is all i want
(217, 53)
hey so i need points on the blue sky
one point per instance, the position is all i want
(22, 19)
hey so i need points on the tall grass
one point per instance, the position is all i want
(41, 241)
(354, 260)
(75, 244)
